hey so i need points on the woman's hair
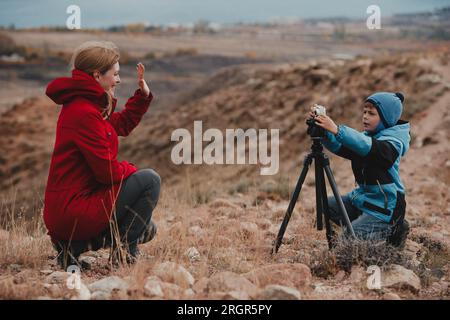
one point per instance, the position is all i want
(96, 55)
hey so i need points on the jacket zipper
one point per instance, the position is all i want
(384, 194)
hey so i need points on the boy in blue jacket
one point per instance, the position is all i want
(377, 206)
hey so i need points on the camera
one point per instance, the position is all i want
(319, 110)
(314, 130)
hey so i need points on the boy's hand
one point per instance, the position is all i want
(141, 81)
(311, 115)
(326, 123)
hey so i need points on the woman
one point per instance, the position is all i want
(93, 201)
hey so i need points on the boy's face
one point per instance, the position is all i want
(370, 117)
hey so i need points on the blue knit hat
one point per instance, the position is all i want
(389, 106)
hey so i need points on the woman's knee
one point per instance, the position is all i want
(149, 178)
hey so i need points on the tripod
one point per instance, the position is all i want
(322, 163)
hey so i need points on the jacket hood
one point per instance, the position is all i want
(389, 106)
(401, 132)
(63, 90)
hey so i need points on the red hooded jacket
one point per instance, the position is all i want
(84, 176)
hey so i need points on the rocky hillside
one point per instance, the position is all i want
(217, 224)
(238, 97)
(279, 97)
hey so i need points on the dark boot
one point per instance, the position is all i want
(130, 251)
(149, 233)
(399, 234)
(127, 254)
(67, 255)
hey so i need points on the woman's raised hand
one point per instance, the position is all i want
(141, 81)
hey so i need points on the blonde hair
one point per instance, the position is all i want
(96, 55)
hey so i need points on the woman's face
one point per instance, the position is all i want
(370, 117)
(109, 79)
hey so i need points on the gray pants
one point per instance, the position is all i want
(137, 198)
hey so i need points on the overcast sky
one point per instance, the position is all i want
(104, 13)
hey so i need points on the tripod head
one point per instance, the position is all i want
(314, 131)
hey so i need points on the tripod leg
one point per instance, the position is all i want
(287, 217)
(319, 201)
(328, 227)
(339, 200)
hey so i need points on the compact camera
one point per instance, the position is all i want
(319, 110)
(314, 130)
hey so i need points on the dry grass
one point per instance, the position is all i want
(348, 253)
(22, 241)
(215, 230)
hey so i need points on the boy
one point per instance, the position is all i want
(377, 206)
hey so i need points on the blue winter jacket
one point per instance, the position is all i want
(375, 164)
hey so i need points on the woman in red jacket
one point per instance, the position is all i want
(92, 200)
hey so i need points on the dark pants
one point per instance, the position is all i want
(132, 222)
(366, 227)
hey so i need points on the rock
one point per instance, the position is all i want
(196, 231)
(231, 295)
(249, 229)
(357, 274)
(437, 273)
(289, 238)
(188, 293)
(201, 285)
(444, 285)
(333, 292)
(219, 203)
(54, 289)
(277, 292)
(245, 266)
(14, 267)
(295, 275)
(108, 285)
(174, 273)
(87, 262)
(57, 277)
(100, 295)
(171, 290)
(340, 275)
(414, 252)
(430, 78)
(412, 246)
(401, 278)
(193, 254)
(83, 293)
(391, 296)
(152, 288)
(437, 287)
(264, 223)
(227, 281)
(46, 271)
